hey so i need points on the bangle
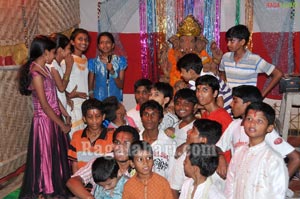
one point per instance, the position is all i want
(91, 92)
(66, 78)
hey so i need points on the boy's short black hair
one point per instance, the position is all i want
(92, 104)
(209, 80)
(190, 61)
(138, 146)
(128, 129)
(247, 93)
(154, 105)
(209, 129)
(240, 32)
(186, 94)
(205, 157)
(166, 89)
(265, 108)
(142, 82)
(111, 105)
(104, 168)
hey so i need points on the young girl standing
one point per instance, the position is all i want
(47, 167)
(61, 68)
(106, 71)
(78, 83)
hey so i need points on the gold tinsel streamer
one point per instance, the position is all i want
(249, 20)
(161, 22)
(19, 52)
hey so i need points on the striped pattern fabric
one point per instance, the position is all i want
(244, 72)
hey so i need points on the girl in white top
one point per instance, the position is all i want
(77, 88)
(60, 69)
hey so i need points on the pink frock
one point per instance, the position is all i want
(47, 168)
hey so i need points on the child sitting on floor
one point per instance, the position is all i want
(93, 141)
(105, 174)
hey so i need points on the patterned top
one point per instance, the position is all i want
(256, 172)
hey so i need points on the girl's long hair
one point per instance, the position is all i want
(38, 46)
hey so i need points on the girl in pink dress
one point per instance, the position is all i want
(47, 168)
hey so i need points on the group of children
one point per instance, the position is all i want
(164, 147)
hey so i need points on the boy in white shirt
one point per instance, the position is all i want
(141, 94)
(256, 171)
(235, 136)
(162, 92)
(163, 146)
(203, 131)
(200, 164)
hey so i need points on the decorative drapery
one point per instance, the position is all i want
(23, 19)
(159, 21)
(276, 25)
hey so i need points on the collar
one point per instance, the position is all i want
(102, 135)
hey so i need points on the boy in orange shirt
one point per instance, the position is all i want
(93, 141)
(145, 184)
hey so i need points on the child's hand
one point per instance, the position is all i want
(216, 52)
(81, 95)
(170, 132)
(75, 94)
(66, 128)
(68, 120)
(222, 167)
(72, 94)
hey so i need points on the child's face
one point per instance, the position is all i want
(205, 95)
(50, 55)
(234, 44)
(238, 107)
(143, 163)
(80, 43)
(186, 75)
(157, 96)
(141, 95)
(105, 45)
(194, 136)
(183, 108)
(256, 126)
(94, 119)
(189, 169)
(67, 50)
(108, 184)
(120, 112)
(121, 145)
(64, 52)
(150, 119)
